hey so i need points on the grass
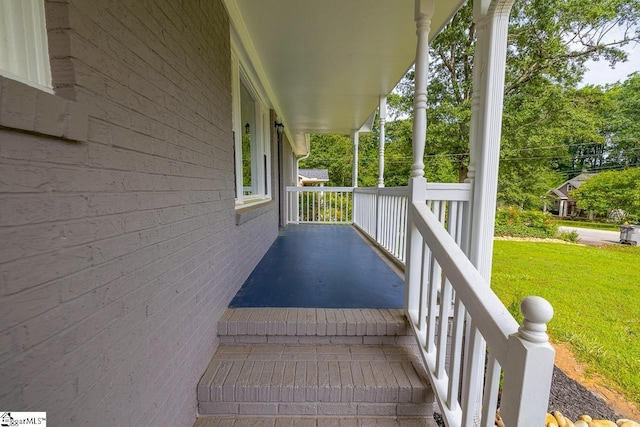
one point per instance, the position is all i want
(585, 224)
(595, 293)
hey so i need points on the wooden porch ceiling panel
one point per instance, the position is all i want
(325, 63)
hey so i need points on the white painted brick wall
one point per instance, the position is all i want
(119, 254)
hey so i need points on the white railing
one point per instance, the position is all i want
(451, 335)
(381, 213)
(319, 205)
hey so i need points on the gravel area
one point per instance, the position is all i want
(573, 400)
(570, 398)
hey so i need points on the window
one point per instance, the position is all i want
(27, 101)
(24, 53)
(251, 140)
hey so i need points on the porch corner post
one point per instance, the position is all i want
(417, 182)
(492, 19)
(383, 118)
(354, 177)
(492, 39)
(529, 366)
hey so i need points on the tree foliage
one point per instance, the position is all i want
(548, 124)
(609, 191)
(623, 122)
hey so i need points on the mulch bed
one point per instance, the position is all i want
(570, 398)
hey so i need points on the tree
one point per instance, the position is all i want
(549, 43)
(609, 191)
(332, 152)
(623, 122)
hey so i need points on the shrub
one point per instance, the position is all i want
(569, 236)
(514, 222)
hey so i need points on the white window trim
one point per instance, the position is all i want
(24, 50)
(263, 136)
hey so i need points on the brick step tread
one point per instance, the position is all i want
(280, 421)
(312, 322)
(336, 374)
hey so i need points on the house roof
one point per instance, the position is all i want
(580, 179)
(558, 193)
(319, 174)
(575, 182)
(325, 64)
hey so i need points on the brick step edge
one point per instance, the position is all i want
(317, 408)
(312, 322)
(315, 420)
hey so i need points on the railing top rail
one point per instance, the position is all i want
(366, 190)
(489, 314)
(445, 191)
(320, 189)
(448, 186)
(394, 191)
(455, 192)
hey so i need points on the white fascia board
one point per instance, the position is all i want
(242, 44)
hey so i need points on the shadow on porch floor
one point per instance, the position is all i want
(321, 266)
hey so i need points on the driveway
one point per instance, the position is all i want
(594, 237)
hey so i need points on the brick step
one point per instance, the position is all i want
(314, 326)
(370, 380)
(295, 421)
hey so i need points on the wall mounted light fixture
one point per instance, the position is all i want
(279, 127)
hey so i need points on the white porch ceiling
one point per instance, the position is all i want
(325, 63)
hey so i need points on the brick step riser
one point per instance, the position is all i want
(287, 322)
(317, 409)
(317, 340)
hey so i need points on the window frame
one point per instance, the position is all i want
(261, 159)
(28, 102)
(24, 46)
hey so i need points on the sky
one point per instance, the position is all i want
(600, 73)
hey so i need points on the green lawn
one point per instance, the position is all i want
(595, 293)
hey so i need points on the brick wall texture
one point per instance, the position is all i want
(119, 254)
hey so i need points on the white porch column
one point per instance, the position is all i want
(492, 19)
(383, 118)
(354, 175)
(417, 182)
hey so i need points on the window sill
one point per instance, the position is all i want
(246, 213)
(30, 109)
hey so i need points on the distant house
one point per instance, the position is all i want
(307, 177)
(563, 204)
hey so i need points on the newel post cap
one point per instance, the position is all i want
(537, 312)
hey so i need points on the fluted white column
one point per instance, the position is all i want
(383, 118)
(492, 19)
(417, 182)
(492, 40)
(354, 176)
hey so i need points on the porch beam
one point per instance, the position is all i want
(383, 118)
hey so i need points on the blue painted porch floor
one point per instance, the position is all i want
(321, 266)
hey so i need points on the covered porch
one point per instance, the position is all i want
(328, 69)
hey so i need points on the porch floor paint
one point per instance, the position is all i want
(321, 266)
